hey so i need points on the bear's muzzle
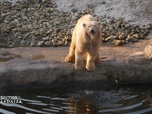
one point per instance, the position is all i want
(92, 31)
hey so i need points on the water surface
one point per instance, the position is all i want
(116, 100)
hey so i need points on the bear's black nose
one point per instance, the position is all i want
(92, 31)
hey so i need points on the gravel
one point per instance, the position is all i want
(47, 23)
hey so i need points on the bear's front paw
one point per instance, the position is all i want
(69, 58)
(90, 67)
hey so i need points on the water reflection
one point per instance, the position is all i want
(130, 100)
(91, 102)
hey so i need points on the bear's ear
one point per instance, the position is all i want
(84, 25)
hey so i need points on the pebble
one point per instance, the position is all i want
(40, 43)
(23, 43)
(119, 42)
(47, 44)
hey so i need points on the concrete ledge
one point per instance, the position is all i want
(42, 67)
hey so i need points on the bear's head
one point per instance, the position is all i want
(92, 29)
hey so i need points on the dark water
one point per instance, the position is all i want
(116, 100)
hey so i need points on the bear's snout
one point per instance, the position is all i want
(92, 31)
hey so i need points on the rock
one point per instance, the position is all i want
(134, 39)
(11, 46)
(74, 10)
(66, 43)
(33, 44)
(119, 42)
(23, 43)
(148, 51)
(122, 36)
(136, 36)
(149, 26)
(55, 45)
(128, 38)
(102, 2)
(40, 43)
(45, 38)
(47, 43)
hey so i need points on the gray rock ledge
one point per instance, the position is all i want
(33, 67)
